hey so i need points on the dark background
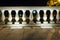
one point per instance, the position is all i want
(23, 2)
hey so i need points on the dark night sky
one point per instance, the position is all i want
(23, 2)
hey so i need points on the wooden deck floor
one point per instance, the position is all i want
(28, 33)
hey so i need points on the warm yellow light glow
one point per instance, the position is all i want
(53, 2)
(58, 1)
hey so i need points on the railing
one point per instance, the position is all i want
(30, 16)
